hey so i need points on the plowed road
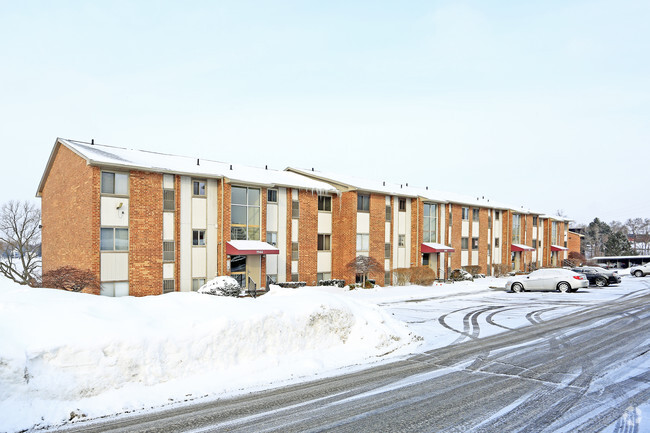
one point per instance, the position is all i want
(584, 371)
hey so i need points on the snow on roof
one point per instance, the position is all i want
(97, 154)
(403, 190)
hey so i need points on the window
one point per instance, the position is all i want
(535, 221)
(554, 233)
(475, 243)
(114, 239)
(115, 183)
(168, 286)
(425, 259)
(320, 276)
(272, 196)
(116, 288)
(387, 278)
(198, 238)
(295, 277)
(534, 243)
(272, 238)
(430, 223)
(489, 250)
(465, 213)
(198, 188)
(363, 242)
(324, 242)
(363, 203)
(295, 209)
(387, 250)
(197, 283)
(516, 228)
(402, 205)
(389, 212)
(294, 251)
(463, 244)
(474, 214)
(540, 244)
(168, 251)
(496, 242)
(496, 215)
(489, 220)
(450, 214)
(324, 203)
(169, 202)
(245, 213)
(401, 240)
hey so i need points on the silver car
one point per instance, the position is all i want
(640, 271)
(562, 280)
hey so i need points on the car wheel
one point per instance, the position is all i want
(638, 273)
(517, 287)
(564, 287)
(601, 282)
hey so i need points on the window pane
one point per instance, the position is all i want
(295, 209)
(324, 203)
(366, 242)
(121, 184)
(108, 183)
(426, 210)
(199, 187)
(106, 240)
(238, 215)
(107, 289)
(253, 216)
(426, 236)
(238, 195)
(122, 289)
(238, 233)
(427, 224)
(389, 213)
(254, 233)
(272, 196)
(238, 264)
(121, 239)
(253, 197)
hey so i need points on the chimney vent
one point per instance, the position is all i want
(92, 141)
(197, 161)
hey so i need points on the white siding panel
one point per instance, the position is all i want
(324, 261)
(407, 231)
(401, 223)
(324, 223)
(294, 267)
(387, 265)
(271, 218)
(272, 264)
(475, 228)
(199, 269)
(363, 222)
(464, 229)
(294, 231)
(387, 237)
(168, 181)
(114, 266)
(199, 213)
(212, 246)
(114, 212)
(186, 234)
(168, 271)
(474, 257)
(168, 226)
(282, 234)
(464, 258)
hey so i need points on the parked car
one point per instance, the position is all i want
(640, 271)
(598, 276)
(562, 280)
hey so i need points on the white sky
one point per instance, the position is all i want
(543, 104)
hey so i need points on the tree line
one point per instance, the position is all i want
(629, 238)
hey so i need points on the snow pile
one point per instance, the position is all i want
(221, 286)
(63, 352)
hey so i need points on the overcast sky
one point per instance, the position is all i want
(541, 104)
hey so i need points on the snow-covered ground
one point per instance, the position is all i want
(69, 355)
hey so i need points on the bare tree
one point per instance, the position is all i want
(364, 265)
(20, 242)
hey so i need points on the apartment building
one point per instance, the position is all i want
(147, 223)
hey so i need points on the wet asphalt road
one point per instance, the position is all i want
(583, 372)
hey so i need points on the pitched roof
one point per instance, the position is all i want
(132, 159)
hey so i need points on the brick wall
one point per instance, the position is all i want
(344, 234)
(70, 214)
(456, 234)
(288, 234)
(145, 233)
(574, 242)
(417, 221)
(483, 240)
(224, 220)
(308, 236)
(377, 234)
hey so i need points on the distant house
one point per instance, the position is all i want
(148, 223)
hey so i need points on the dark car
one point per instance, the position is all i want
(599, 276)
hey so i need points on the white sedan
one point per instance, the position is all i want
(640, 271)
(562, 280)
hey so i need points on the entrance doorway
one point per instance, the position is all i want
(246, 269)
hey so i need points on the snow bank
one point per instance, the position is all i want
(63, 353)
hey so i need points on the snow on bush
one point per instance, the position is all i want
(221, 286)
(63, 352)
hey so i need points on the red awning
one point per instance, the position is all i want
(432, 247)
(244, 248)
(520, 247)
(558, 248)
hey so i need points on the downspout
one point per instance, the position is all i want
(221, 255)
(417, 232)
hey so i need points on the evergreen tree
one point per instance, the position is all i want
(618, 245)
